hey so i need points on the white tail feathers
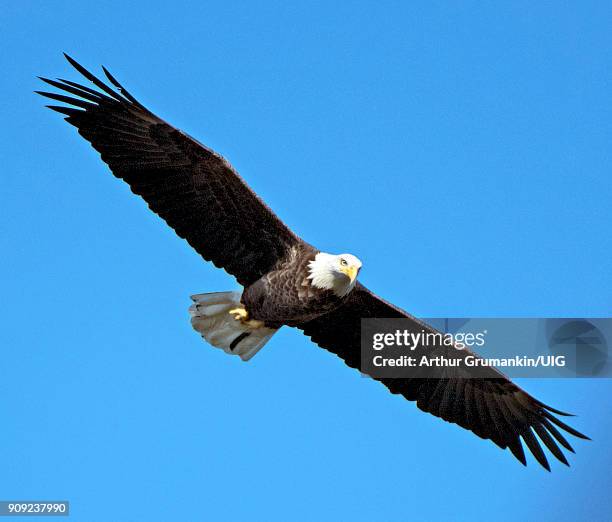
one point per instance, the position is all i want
(210, 315)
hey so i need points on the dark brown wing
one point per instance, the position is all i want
(192, 188)
(492, 406)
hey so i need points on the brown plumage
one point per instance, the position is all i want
(285, 297)
(205, 201)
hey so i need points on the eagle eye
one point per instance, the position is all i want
(343, 262)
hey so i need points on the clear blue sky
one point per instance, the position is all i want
(460, 149)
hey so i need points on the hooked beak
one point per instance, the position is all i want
(351, 272)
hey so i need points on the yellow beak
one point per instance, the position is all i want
(351, 272)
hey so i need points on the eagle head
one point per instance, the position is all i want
(337, 273)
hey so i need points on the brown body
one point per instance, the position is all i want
(285, 296)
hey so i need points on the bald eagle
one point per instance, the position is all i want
(286, 281)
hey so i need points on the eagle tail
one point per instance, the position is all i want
(214, 317)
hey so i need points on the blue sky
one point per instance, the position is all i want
(460, 149)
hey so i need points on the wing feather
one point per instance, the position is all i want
(491, 406)
(191, 187)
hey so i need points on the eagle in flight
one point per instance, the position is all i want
(286, 281)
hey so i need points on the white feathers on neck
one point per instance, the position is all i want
(325, 274)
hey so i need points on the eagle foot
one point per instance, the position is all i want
(240, 314)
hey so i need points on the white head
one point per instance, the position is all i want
(334, 272)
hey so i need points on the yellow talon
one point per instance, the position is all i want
(240, 314)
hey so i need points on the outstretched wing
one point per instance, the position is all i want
(491, 406)
(192, 188)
